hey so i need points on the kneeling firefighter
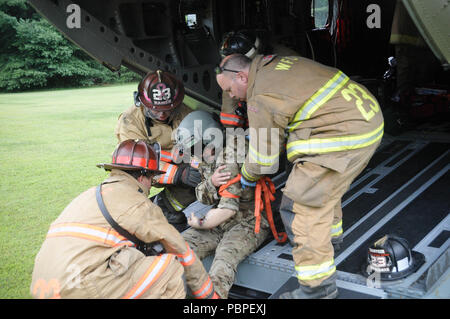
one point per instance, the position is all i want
(113, 242)
(157, 111)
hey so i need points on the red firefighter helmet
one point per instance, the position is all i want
(160, 91)
(135, 155)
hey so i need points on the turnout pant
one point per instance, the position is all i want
(131, 275)
(314, 214)
(231, 242)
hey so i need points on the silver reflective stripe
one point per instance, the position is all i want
(263, 159)
(335, 144)
(175, 204)
(208, 287)
(318, 99)
(187, 258)
(336, 230)
(94, 232)
(224, 118)
(315, 271)
(149, 279)
(169, 170)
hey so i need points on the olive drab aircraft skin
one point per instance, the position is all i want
(404, 190)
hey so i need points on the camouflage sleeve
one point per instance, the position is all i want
(206, 192)
(233, 154)
(231, 201)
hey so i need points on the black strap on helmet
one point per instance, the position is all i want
(137, 101)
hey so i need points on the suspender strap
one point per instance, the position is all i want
(147, 249)
(111, 221)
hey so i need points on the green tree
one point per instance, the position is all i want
(33, 54)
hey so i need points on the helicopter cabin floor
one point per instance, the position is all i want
(405, 191)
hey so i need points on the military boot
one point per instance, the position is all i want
(326, 290)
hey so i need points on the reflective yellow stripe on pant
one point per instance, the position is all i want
(307, 273)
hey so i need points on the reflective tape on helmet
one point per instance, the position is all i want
(101, 235)
(156, 269)
(334, 144)
(313, 272)
(318, 99)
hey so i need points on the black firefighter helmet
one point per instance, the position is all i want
(392, 258)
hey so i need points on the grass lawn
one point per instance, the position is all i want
(50, 144)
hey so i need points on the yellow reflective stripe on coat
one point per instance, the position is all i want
(336, 230)
(156, 269)
(318, 99)
(94, 233)
(261, 159)
(334, 144)
(173, 202)
(315, 271)
(187, 258)
(247, 175)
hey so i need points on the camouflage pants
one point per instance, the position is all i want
(231, 242)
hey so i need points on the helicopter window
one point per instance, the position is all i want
(191, 20)
(319, 12)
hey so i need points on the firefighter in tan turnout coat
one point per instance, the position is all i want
(157, 112)
(329, 126)
(84, 256)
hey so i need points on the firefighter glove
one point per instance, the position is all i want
(187, 175)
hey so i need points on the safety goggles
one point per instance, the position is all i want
(219, 70)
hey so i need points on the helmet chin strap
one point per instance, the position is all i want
(148, 113)
(254, 50)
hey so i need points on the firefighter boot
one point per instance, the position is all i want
(337, 242)
(326, 290)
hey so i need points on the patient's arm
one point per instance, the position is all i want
(213, 218)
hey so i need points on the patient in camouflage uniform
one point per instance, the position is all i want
(228, 230)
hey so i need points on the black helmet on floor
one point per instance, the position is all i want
(392, 258)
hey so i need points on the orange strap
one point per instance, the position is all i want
(223, 189)
(265, 186)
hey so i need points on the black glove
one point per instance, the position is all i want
(187, 175)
